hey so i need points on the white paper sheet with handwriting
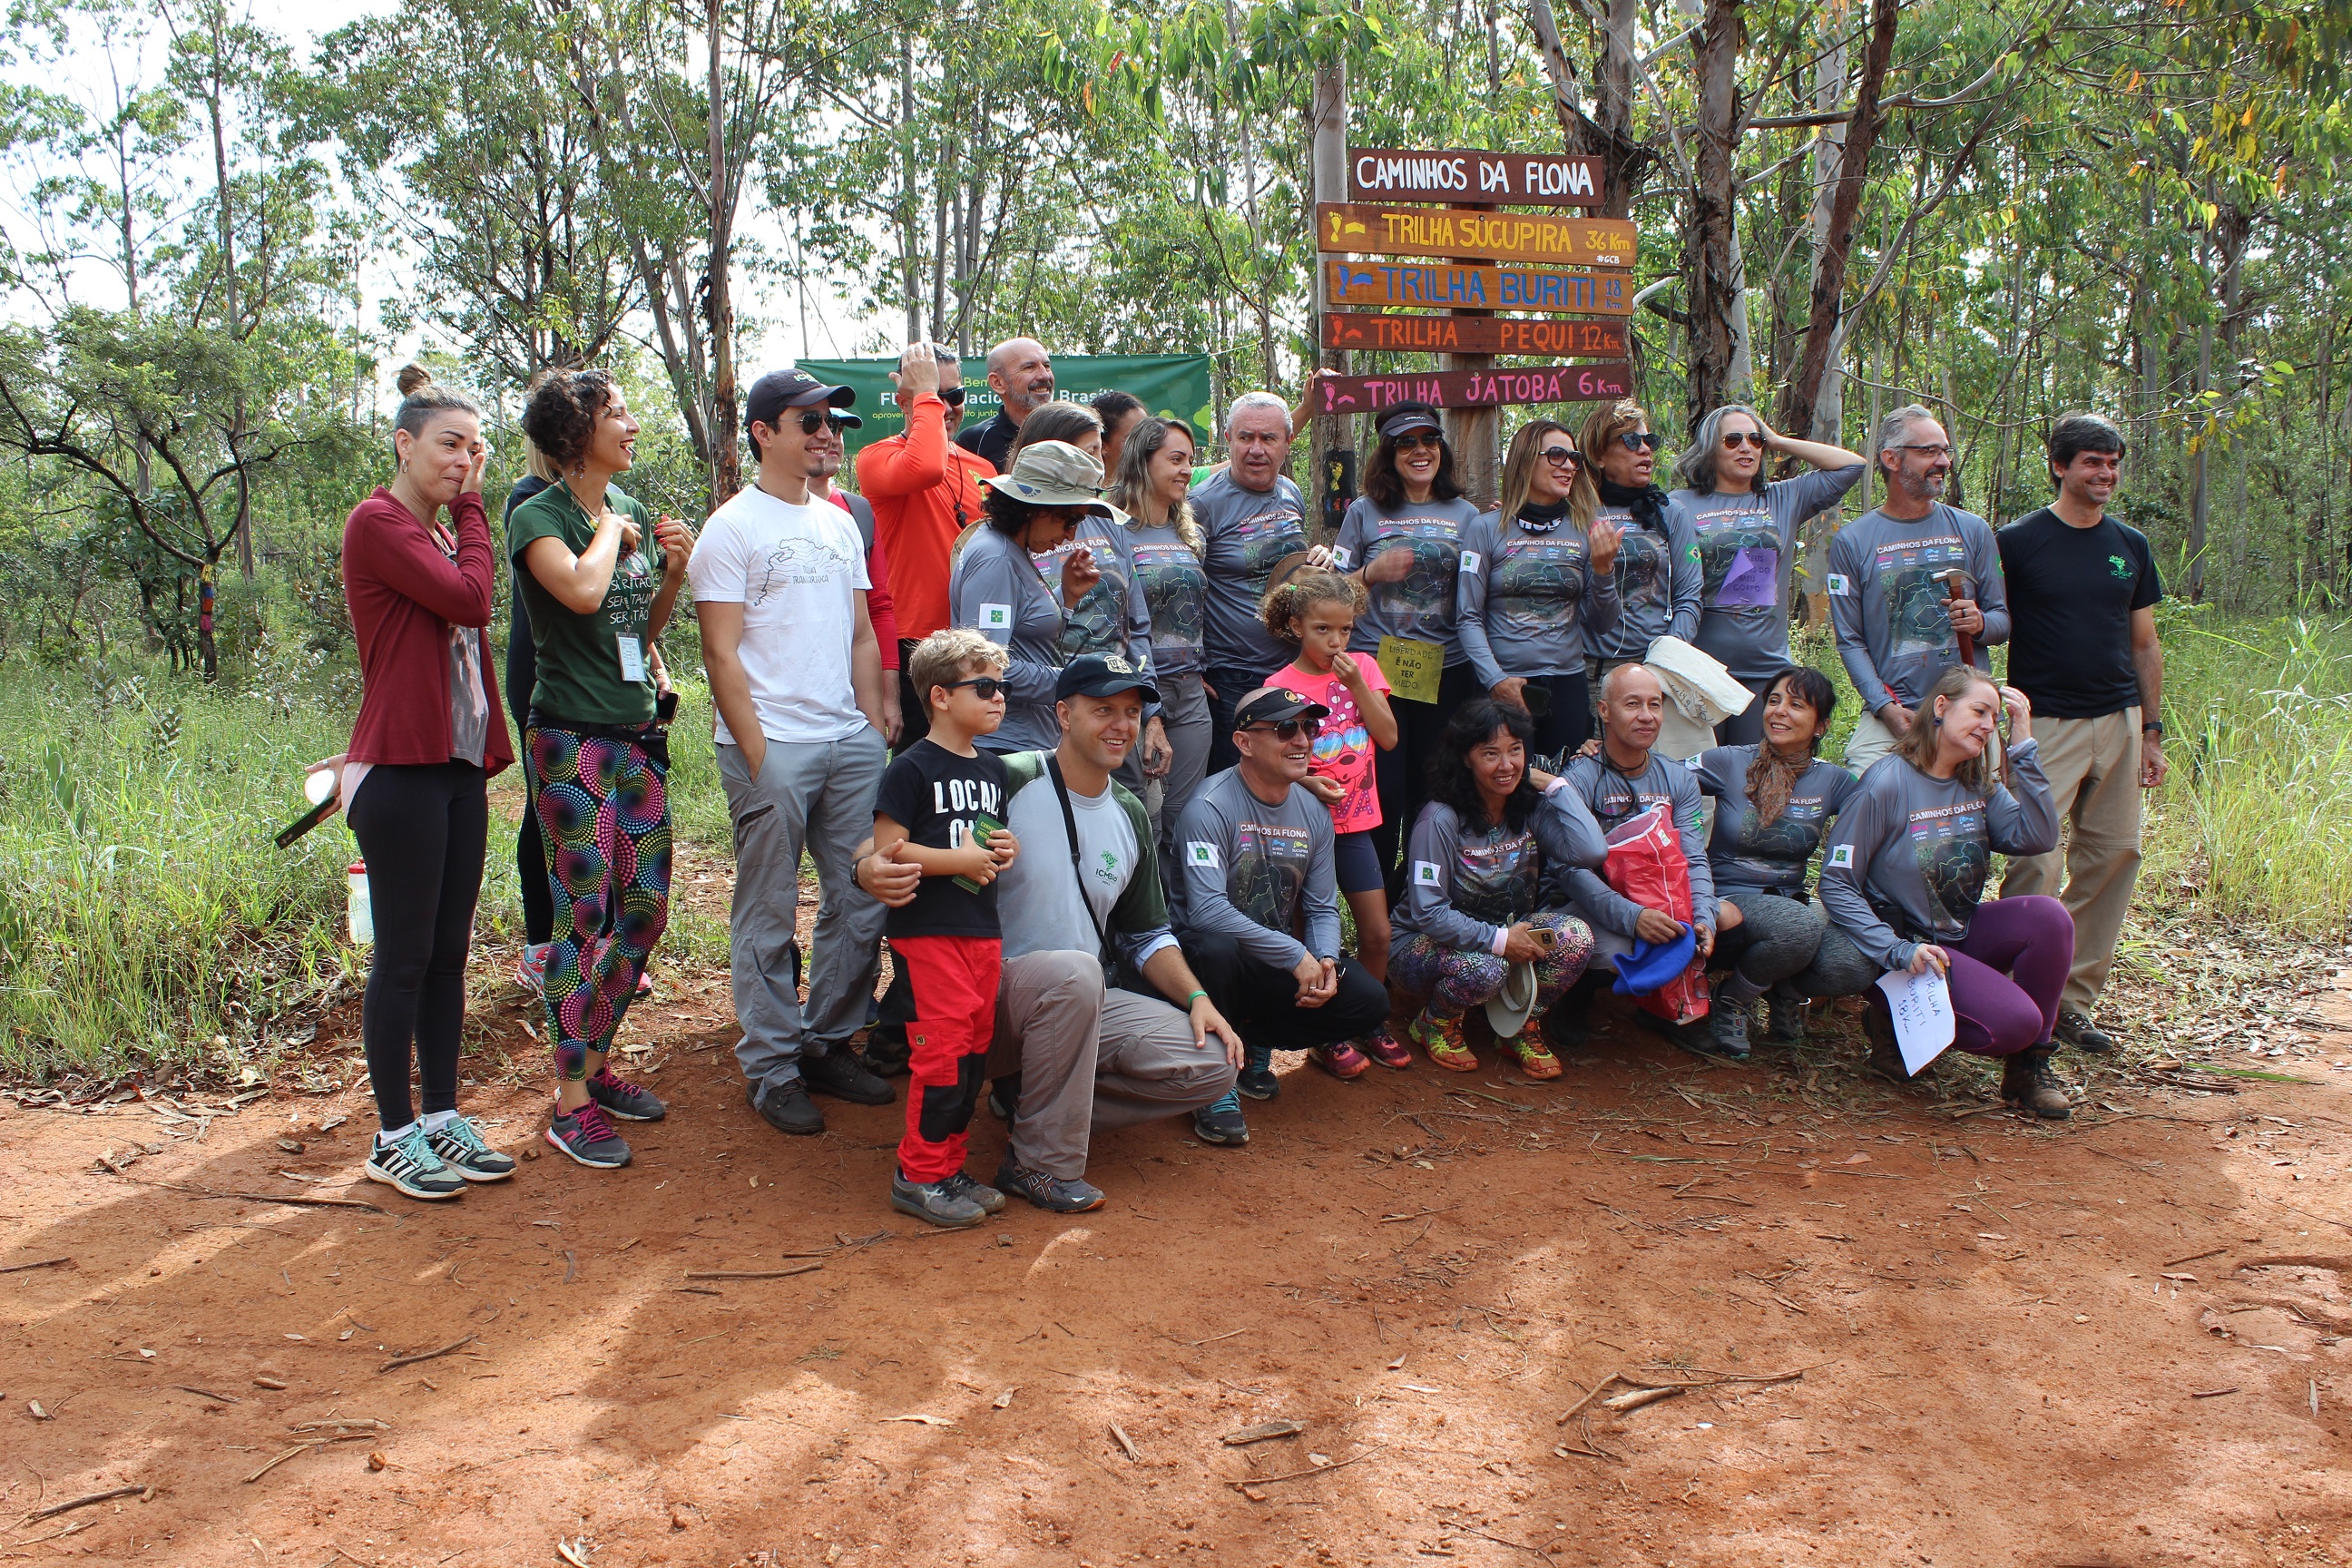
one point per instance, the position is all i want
(1923, 1024)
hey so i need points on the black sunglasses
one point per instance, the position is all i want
(952, 397)
(1638, 440)
(814, 420)
(1291, 728)
(1562, 456)
(984, 687)
(1413, 438)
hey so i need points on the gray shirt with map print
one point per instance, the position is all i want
(1527, 603)
(1420, 604)
(1909, 856)
(1747, 553)
(1888, 609)
(1750, 855)
(996, 588)
(1463, 886)
(1614, 799)
(1657, 588)
(1244, 534)
(1260, 874)
(1175, 593)
(1113, 616)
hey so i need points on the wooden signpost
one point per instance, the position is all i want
(1472, 388)
(1352, 228)
(1450, 286)
(1459, 176)
(1474, 335)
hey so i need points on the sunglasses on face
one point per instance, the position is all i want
(1735, 439)
(1562, 456)
(952, 397)
(815, 420)
(1416, 439)
(1638, 440)
(987, 687)
(1288, 729)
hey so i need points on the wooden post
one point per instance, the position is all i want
(1331, 468)
(1476, 434)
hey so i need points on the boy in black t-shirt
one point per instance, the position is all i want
(941, 806)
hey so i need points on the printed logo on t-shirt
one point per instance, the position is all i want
(1840, 585)
(1472, 561)
(1424, 874)
(1107, 870)
(1341, 559)
(1199, 854)
(2119, 566)
(1842, 856)
(996, 617)
(798, 562)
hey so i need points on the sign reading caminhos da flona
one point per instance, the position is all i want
(1462, 175)
(1343, 228)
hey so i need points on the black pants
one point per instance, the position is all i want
(1567, 723)
(1401, 773)
(1745, 728)
(531, 849)
(1261, 1001)
(914, 707)
(1230, 684)
(424, 831)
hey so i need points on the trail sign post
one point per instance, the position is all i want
(1353, 228)
(1459, 176)
(1460, 334)
(1471, 389)
(1439, 285)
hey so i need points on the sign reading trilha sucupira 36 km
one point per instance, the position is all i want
(1468, 244)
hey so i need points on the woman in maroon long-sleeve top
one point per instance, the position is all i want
(429, 734)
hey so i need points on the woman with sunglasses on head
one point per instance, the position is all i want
(1539, 581)
(600, 577)
(1658, 579)
(1746, 526)
(1402, 540)
(1150, 490)
(999, 590)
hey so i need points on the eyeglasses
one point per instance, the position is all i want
(1291, 728)
(815, 420)
(1562, 456)
(985, 686)
(1932, 452)
(1638, 440)
(952, 397)
(1414, 439)
(1735, 439)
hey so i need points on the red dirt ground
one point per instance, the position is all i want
(2003, 1332)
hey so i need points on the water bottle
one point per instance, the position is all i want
(362, 917)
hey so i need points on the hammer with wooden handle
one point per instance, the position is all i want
(1956, 587)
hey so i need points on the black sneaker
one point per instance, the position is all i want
(587, 1137)
(1567, 1023)
(1785, 1011)
(1222, 1122)
(990, 1200)
(1256, 1079)
(2076, 1029)
(413, 1169)
(840, 1074)
(623, 1100)
(934, 1202)
(1004, 1097)
(1050, 1193)
(787, 1108)
(459, 1144)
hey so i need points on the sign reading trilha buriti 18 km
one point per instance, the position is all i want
(1343, 228)
(1484, 179)
(1469, 388)
(1451, 287)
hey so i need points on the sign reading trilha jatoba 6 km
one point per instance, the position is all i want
(1472, 334)
(1470, 388)
(1344, 227)
(1450, 286)
(1461, 175)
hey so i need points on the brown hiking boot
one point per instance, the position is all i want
(1886, 1057)
(2028, 1084)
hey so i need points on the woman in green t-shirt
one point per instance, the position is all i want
(598, 752)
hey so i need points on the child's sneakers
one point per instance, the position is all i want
(413, 1168)
(1441, 1041)
(587, 1137)
(1385, 1048)
(459, 1143)
(937, 1202)
(1342, 1060)
(623, 1100)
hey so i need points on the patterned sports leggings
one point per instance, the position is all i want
(1456, 979)
(604, 809)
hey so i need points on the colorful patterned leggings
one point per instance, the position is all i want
(605, 812)
(1456, 979)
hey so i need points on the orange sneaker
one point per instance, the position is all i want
(1442, 1040)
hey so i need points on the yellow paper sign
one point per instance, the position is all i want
(1413, 668)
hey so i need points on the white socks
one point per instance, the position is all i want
(391, 1135)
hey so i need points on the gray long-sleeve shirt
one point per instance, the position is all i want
(1747, 553)
(1174, 590)
(996, 588)
(1420, 604)
(1527, 603)
(1463, 888)
(1245, 533)
(1908, 857)
(1112, 616)
(1749, 856)
(1261, 874)
(1613, 799)
(1888, 609)
(1658, 588)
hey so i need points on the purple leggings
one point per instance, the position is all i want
(2008, 973)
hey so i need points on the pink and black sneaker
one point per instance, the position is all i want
(588, 1137)
(623, 1100)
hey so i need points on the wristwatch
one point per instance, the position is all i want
(2154, 726)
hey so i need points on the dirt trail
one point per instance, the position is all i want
(2003, 1332)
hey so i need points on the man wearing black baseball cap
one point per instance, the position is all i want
(1257, 897)
(1100, 1023)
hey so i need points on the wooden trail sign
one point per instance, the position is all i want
(1459, 177)
(1471, 389)
(1349, 228)
(1474, 335)
(1448, 286)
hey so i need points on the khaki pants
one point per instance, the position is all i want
(2093, 769)
(1871, 740)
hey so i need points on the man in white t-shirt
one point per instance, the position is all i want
(797, 677)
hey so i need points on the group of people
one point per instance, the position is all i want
(1099, 742)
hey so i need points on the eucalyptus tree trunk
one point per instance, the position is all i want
(1712, 257)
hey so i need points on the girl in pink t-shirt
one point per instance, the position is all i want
(1314, 612)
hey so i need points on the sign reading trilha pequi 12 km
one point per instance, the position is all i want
(1470, 388)
(1343, 229)
(1473, 335)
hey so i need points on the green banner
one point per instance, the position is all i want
(1174, 386)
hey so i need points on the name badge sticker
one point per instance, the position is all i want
(633, 658)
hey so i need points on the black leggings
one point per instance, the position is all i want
(531, 849)
(422, 831)
(1401, 773)
(1567, 723)
(1745, 729)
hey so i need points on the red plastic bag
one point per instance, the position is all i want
(1646, 864)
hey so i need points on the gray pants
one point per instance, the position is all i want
(1184, 711)
(820, 798)
(1092, 1059)
(1838, 969)
(1775, 939)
